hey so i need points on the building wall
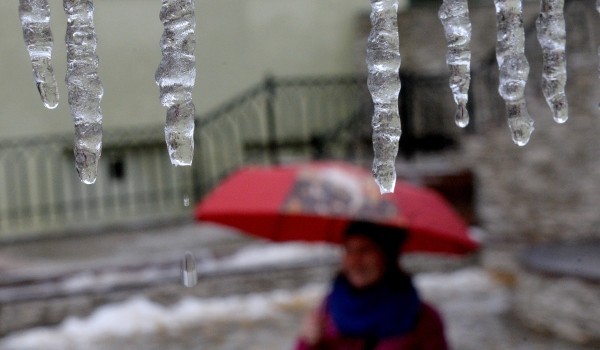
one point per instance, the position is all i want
(238, 43)
(550, 188)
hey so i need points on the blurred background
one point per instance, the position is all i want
(97, 266)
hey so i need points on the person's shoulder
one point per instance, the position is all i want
(429, 309)
(429, 317)
(430, 329)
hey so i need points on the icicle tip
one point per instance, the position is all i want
(461, 118)
(86, 164)
(385, 177)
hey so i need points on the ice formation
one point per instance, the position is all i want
(176, 76)
(552, 37)
(383, 80)
(454, 15)
(176, 73)
(84, 87)
(189, 274)
(514, 68)
(35, 22)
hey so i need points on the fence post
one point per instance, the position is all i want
(407, 140)
(197, 176)
(471, 127)
(272, 149)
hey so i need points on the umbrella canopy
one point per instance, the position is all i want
(316, 201)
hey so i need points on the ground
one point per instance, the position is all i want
(475, 302)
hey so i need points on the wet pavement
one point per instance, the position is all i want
(475, 302)
(146, 245)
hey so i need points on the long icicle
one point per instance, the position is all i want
(35, 22)
(176, 76)
(84, 87)
(383, 63)
(514, 68)
(551, 35)
(454, 15)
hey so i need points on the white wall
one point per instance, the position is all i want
(238, 42)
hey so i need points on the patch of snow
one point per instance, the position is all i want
(139, 316)
(275, 253)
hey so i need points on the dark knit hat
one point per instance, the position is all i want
(388, 238)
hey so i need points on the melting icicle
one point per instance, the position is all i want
(383, 63)
(186, 200)
(84, 87)
(35, 21)
(552, 37)
(189, 275)
(176, 76)
(454, 15)
(514, 68)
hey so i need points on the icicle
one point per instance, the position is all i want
(552, 37)
(35, 21)
(383, 63)
(176, 76)
(189, 274)
(84, 87)
(514, 68)
(454, 15)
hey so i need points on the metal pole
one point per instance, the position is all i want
(273, 152)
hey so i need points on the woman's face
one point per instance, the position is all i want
(363, 262)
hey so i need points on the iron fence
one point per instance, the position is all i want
(279, 120)
(276, 121)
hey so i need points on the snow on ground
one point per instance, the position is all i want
(474, 305)
(248, 257)
(139, 317)
(277, 253)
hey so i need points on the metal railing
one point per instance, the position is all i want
(276, 121)
(279, 120)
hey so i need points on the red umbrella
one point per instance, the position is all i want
(316, 201)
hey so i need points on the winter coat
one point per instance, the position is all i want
(427, 335)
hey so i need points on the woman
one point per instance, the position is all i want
(373, 303)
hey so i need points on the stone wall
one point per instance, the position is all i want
(550, 188)
(566, 306)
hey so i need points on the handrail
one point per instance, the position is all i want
(40, 194)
